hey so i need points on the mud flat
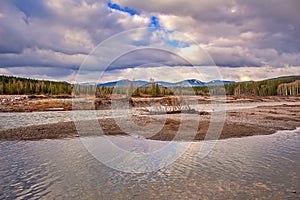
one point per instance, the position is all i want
(261, 120)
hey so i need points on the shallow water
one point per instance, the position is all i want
(15, 119)
(263, 167)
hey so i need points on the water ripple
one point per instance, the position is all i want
(264, 167)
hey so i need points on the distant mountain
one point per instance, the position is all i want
(86, 84)
(111, 84)
(123, 83)
(141, 83)
(185, 83)
(219, 82)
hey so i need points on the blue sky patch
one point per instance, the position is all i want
(154, 23)
(125, 9)
(176, 43)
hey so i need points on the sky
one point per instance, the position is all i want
(169, 40)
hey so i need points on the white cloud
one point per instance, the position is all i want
(161, 73)
(203, 73)
(258, 73)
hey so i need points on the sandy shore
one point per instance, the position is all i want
(239, 123)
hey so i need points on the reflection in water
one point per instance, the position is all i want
(134, 155)
(238, 168)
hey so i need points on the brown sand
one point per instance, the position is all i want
(239, 123)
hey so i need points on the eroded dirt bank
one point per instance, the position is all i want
(32, 103)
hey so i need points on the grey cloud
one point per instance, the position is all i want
(41, 58)
(57, 34)
(149, 57)
(276, 21)
(23, 26)
(13, 29)
(29, 71)
(234, 57)
(21, 29)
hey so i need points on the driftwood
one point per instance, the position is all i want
(161, 109)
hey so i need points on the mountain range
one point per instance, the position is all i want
(184, 83)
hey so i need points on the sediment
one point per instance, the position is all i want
(261, 120)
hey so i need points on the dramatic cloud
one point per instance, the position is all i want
(51, 38)
(57, 34)
(246, 25)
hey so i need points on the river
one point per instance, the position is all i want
(263, 167)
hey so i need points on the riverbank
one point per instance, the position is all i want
(33, 103)
(238, 123)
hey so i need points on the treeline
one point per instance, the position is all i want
(151, 90)
(10, 85)
(279, 86)
(271, 87)
(268, 87)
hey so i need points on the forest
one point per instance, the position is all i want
(10, 85)
(269, 87)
